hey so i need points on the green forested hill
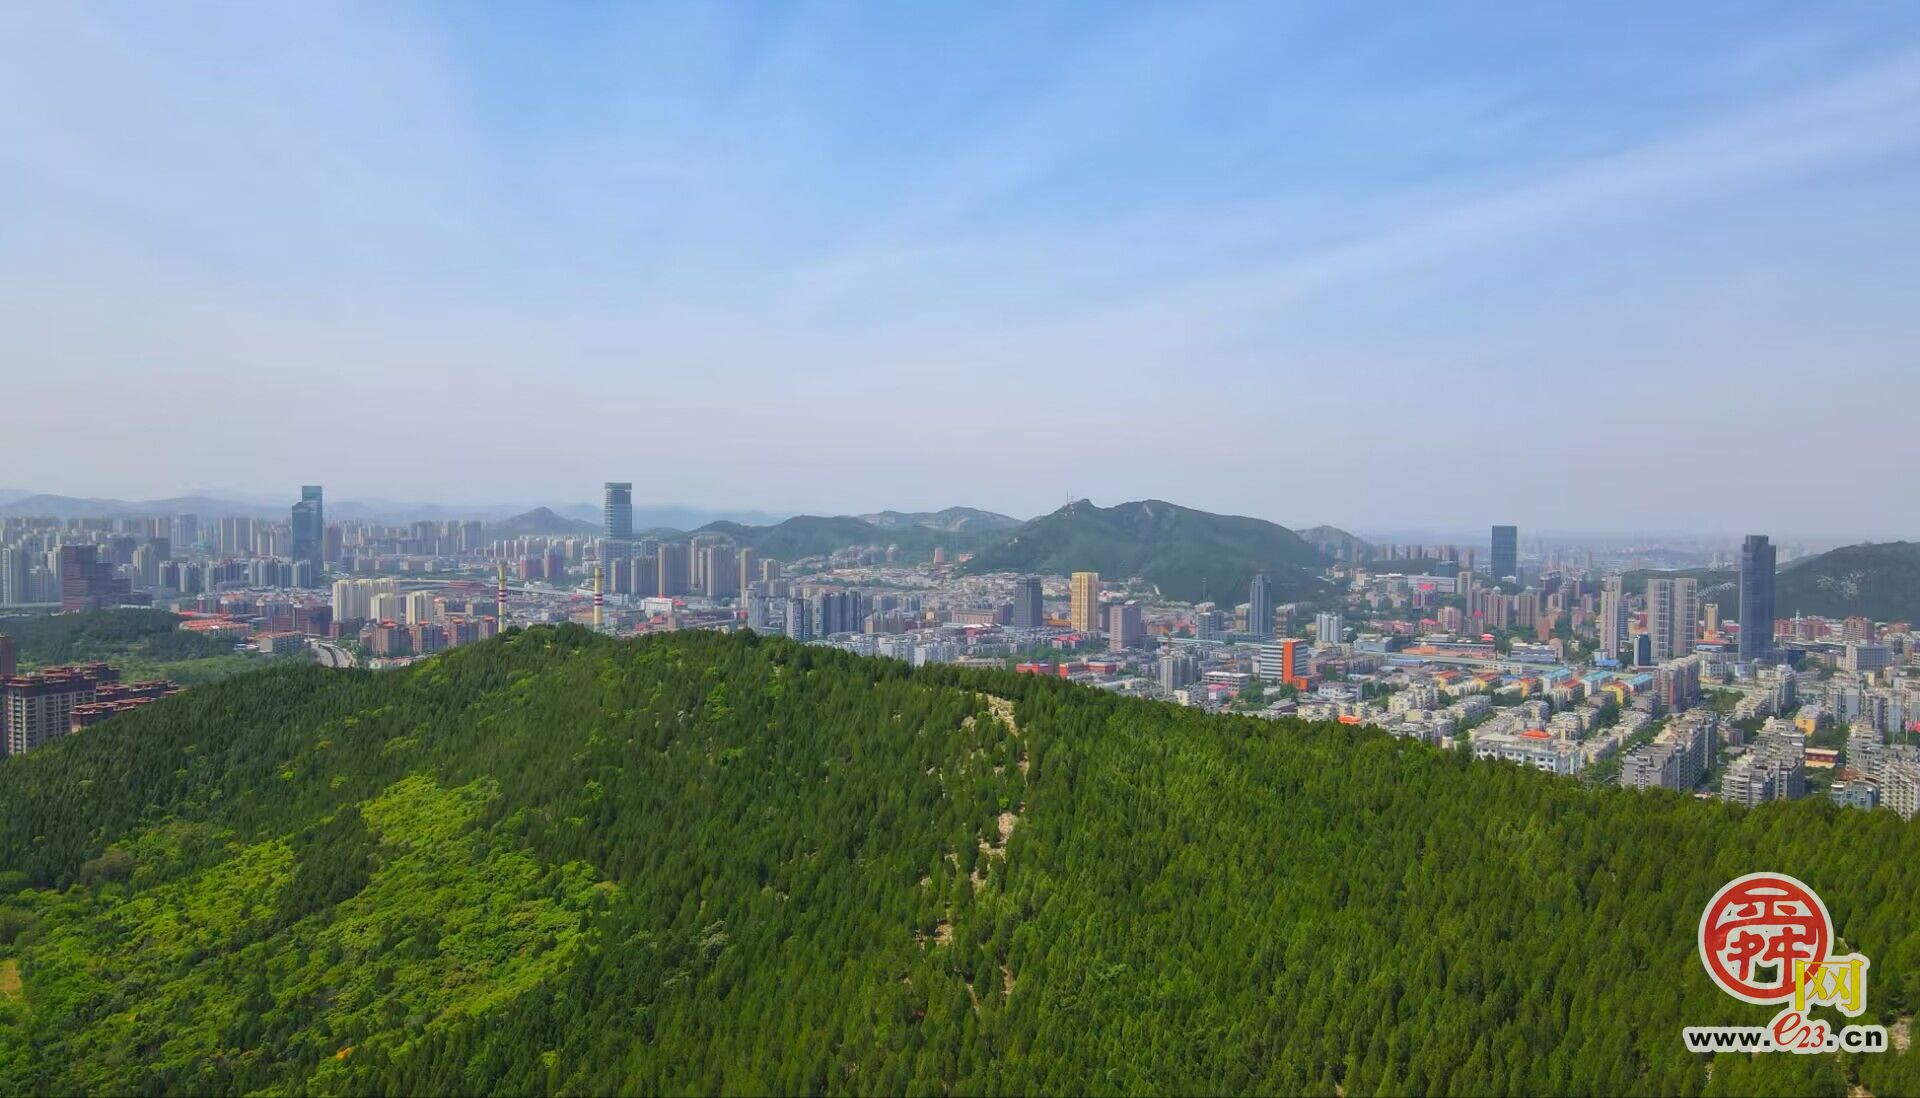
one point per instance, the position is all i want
(1188, 554)
(702, 863)
(1880, 581)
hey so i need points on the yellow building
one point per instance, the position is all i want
(1084, 609)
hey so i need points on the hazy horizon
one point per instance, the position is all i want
(495, 510)
(1394, 269)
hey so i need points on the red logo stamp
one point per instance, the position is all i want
(1753, 931)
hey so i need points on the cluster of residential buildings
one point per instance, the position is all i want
(39, 707)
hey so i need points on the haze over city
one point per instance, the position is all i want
(1651, 268)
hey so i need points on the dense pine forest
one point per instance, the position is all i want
(557, 862)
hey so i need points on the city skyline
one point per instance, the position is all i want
(479, 214)
(1465, 531)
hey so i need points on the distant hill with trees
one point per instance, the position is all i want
(1337, 543)
(818, 536)
(541, 522)
(1187, 554)
(950, 520)
(1876, 580)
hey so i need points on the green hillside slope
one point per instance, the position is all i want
(701, 863)
(1880, 581)
(1189, 554)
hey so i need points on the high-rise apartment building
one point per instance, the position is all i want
(841, 612)
(419, 607)
(1756, 596)
(39, 708)
(1613, 618)
(87, 582)
(617, 519)
(310, 528)
(1260, 605)
(1677, 684)
(1123, 626)
(799, 619)
(719, 572)
(672, 573)
(1673, 618)
(387, 607)
(1028, 609)
(748, 569)
(1328, 629)
(8, 661)
(1506, 552)
(1177, 669)
(14, 574)
(1083, 606)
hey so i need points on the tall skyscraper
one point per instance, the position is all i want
(1260, 605)
(1673, 618)
(310, 528)
(1506, 552)
(617, 519)
(1613, 618)
(87, 582)
(1123, 625)
(1083, 607)
(1028, 609)
(1756, 596)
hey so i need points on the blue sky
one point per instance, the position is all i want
(1385, 266)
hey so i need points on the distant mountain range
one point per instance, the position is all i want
(1186, 554)
(21, 503)
(40, 505)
